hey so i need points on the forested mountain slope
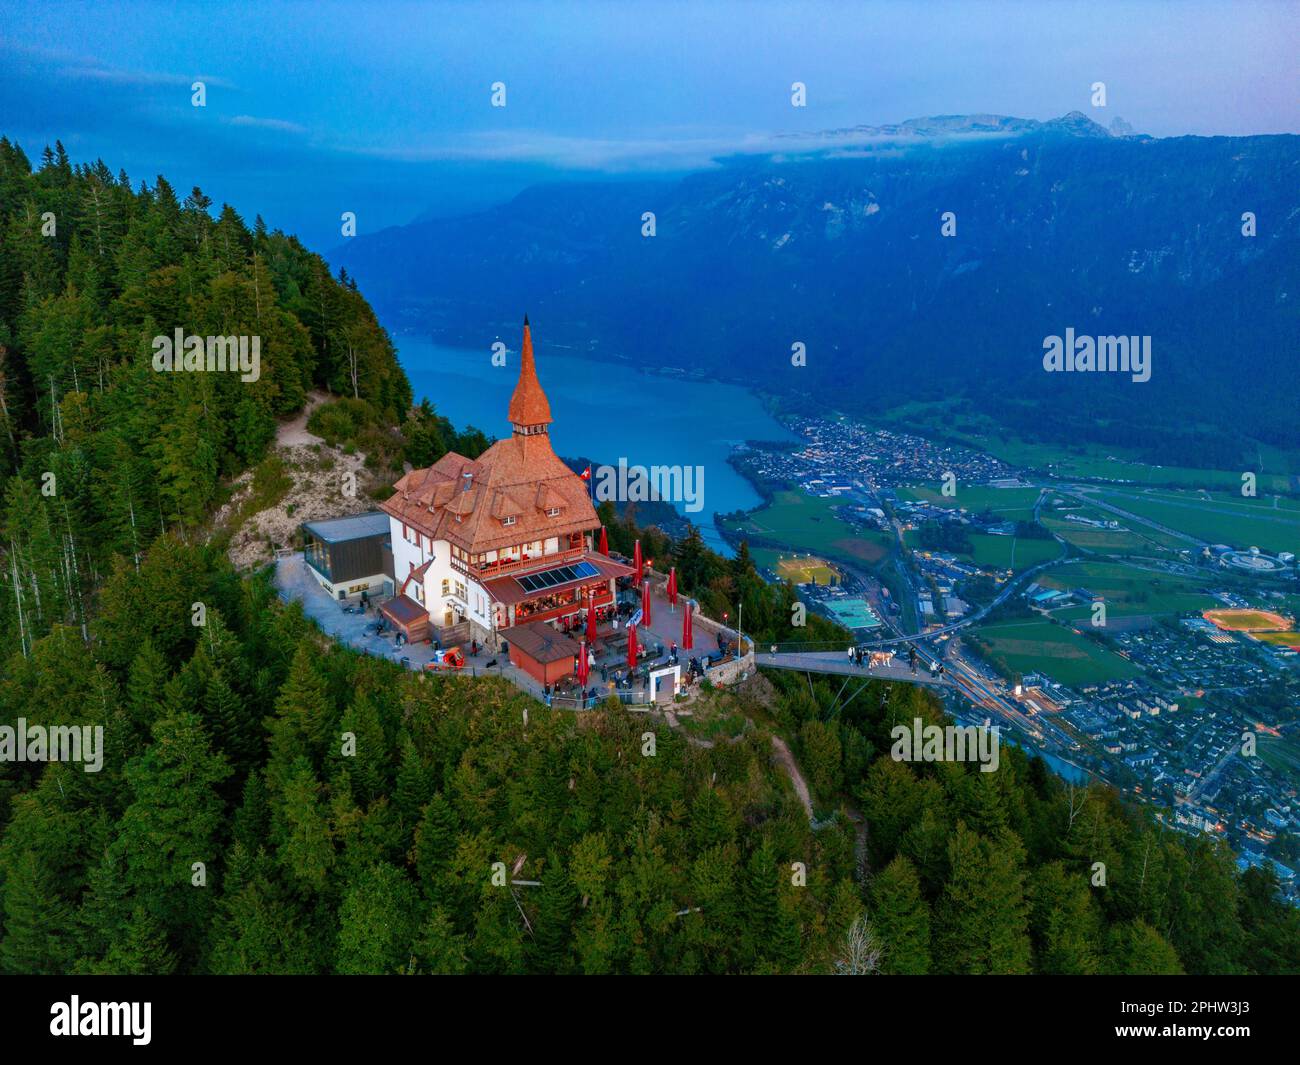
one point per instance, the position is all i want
(271, 802)
(99, 452)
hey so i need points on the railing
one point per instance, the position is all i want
(488, 570)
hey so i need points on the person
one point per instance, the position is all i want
(604, 672)
(850, 655)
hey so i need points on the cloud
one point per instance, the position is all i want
(280, 125)
(664, 152)
(89, 68)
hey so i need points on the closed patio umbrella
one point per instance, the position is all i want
(645, 603)
(672, 587)
(582, 666)
(636, 564)
(591, 618)
(604, 542)
(688, 637)
(631, 647)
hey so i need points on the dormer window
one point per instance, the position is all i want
(552, 512)
(508, 521)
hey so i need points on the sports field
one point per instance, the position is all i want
(807, 569)
(1040, 646)
(1248, 620)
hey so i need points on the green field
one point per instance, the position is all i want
(1279, 639)
(1011, 552)
(1124, 540)
(807, 569)
(1269, 524)
(1128, 592)
(1282, 754)
(807, 523)
(1040, 646)
(1009, 504)
(998, 552)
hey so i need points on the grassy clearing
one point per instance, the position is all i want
(1270, 524)
(809, 523)
(1128, 592)
(1009, 504)
(1040, 646)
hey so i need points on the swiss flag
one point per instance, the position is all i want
(586, 474)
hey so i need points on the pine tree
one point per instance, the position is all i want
(981, 919)
(549, 949)
(901, 917)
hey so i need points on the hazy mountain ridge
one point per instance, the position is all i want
(1059, 225)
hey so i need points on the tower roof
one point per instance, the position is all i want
(528, 405)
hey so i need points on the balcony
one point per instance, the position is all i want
(488, 570)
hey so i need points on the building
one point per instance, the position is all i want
(482, 545)
(543, 653)
(350, 555)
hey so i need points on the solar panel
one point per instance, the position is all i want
(536, 582)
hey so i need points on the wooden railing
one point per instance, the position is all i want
(497, 569)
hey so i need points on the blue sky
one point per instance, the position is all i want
(384, 109)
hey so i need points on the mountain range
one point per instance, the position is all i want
(839, 244)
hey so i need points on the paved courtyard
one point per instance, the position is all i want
(359, 629)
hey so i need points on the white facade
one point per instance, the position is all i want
(447, 594)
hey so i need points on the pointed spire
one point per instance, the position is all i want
(528, 404)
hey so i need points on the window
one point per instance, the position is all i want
(552, 512)
(446, 586)
(507, 521)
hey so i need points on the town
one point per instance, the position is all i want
(1115, 645)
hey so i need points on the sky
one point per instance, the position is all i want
(385, 109)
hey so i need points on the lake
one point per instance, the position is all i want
(606, 410)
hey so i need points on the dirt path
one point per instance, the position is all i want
(294, 432)
(786, 759)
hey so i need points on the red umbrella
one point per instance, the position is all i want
(591, 618)
(631, 647)
(604, 542)
(636, 564)
(688, 638)
(645, 603)
(672, 587)
(582, 665)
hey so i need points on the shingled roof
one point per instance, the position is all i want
(528, 405)
(464, 501)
